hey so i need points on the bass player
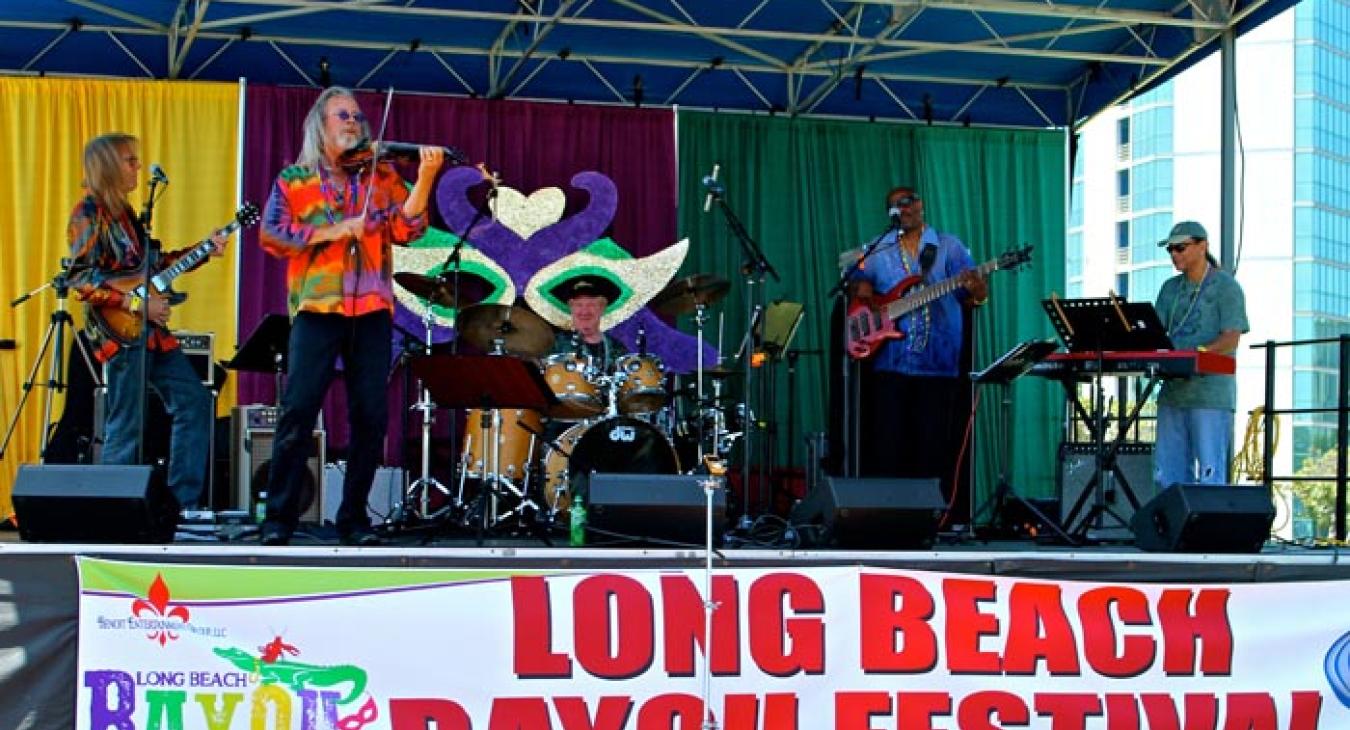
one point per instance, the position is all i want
(907, 419)
(107, 242)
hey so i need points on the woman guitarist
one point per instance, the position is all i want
(107, 243)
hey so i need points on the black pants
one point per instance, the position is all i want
(316, 342)
(907, 427)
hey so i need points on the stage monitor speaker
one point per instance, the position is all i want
(1077, 466)
(386, 492)
(1205, 518)
(656, 506)
(252, 431)
(94, 503)
(871, 513)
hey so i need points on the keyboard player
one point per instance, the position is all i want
(1203, 308)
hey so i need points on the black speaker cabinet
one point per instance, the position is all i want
(871, 513)
(659, 506)
(94, 503)
(1205, 518)
(1077, 466)
(252, 431)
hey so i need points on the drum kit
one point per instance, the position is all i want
(518, 468)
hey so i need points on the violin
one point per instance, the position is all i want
(361, 156)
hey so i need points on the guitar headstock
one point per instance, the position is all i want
(247, 215)
(1014, 257)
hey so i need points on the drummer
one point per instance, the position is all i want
(587, 297)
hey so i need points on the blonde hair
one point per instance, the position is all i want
(311, 149)
(103, 169)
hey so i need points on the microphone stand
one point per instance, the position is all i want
(755, 267)
(454, 262)
(849, 390)
(150, 253)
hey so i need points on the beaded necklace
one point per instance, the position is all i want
(921, 321)
(1195, 296)
(341, 198)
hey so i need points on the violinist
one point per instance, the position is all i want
(335, 226)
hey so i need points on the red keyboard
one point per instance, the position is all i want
(1162, 363)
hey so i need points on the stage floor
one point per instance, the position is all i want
(955, 554)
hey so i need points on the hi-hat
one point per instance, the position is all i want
(440, 290)
(686, 293)
(522, 332)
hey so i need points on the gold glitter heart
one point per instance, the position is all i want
(527, 215)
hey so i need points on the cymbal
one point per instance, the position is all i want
(523, 333)
(440, 290)
(686, 293)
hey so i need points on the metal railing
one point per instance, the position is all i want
(1342, 411)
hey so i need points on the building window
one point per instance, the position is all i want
(1122, 234)
(1123, 183)
(1123, 285)
(1123, 131)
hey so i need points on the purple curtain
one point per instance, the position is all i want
(532, 145)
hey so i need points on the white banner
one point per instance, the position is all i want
(178, 646)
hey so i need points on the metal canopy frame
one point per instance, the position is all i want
(989, 62)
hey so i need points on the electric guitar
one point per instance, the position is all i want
(867, 328)
(125, 327)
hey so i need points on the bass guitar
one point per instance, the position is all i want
(125, 327)
(868, 327)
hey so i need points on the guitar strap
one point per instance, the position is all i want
(926, 258)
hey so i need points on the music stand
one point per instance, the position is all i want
(1101, 325)
(265, 350)
(1010, 366)
(1107, 324)
(488, 382)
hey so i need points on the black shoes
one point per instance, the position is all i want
(360, 537)
(274, 535)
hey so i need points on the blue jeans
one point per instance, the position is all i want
(1195, 446)
(316, 342)
(185, 398)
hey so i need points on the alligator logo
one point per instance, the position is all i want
(297, 675)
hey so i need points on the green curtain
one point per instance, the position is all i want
(808, 189)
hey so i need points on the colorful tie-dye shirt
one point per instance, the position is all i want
(104, 246)
(337, 277)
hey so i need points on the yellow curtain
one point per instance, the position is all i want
(191, 129)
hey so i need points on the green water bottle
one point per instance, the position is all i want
(260, 508)
(578, 523)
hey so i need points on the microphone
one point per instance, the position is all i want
(710, 182)
(157, 174)
(894, 212)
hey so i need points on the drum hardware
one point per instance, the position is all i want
(417, 497)
(499, 387)
(616, 444)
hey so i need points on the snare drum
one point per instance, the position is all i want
(516, 438)
(620, 444)
(642, 387)
(578, 397)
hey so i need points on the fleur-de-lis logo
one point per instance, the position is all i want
(157, 604)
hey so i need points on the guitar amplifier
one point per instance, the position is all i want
(198, 346)
(1077, 467)
(252, 432)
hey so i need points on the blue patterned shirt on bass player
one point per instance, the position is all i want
(932, 342)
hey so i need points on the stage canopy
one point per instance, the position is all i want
(985, 62)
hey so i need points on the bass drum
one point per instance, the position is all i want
(623, 445)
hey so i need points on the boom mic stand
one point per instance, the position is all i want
(849, 369)
(53, 342)
(755, 268)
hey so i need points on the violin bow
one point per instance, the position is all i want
(375, 151)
